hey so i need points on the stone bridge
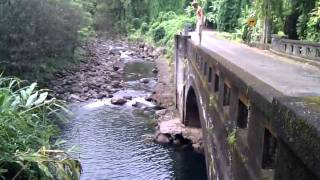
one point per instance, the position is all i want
(260, 113)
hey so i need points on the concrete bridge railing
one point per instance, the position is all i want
(296, 48)
(251, 130)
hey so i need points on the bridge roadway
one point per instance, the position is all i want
(285, 75)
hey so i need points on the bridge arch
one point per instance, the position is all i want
(192, 114)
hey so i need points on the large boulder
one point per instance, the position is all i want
(145, 80)
(198, 147)
(101, 96)
(116, 84)
(155, 70)
(115, 51)
(118, 101)
(163, 138)
(128, 97)
(76, 89)
(115, 68)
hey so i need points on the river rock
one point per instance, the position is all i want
(85, 89)
(116, 84)
(147, 113)
(128, 97)
(149, 98)
(118, 101)
(116, 68)
(76, 89)
(161, 51)
(161, 113)
(177, 142)
(141, 45)
(59, 90)
(145, 80)
(59, 75)
(101, 74)
(163, 139)
(75, 97)
(198, 147)
(114, 51)
(135, 104)
(155, 70)
(101, 95)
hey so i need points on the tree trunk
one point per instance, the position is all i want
(266, 25)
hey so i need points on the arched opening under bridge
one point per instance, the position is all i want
(192, 116)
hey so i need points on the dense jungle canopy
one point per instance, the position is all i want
(45, 35)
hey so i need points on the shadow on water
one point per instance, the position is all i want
(116, 143)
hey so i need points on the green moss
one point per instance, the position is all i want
(232, 139)
(299, 132)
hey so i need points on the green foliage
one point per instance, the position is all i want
(224, 14)
(37, 36)
(126, 16)
(313, 25)
(158, 6)
(302, 26)
(144, 28)
(159, 33)
(167, 16)
(163, 31)
(28, 118)
(89, 6)
(136, 22)
(244, 30)
(232, 139)
(289, 16)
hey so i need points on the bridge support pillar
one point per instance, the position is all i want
(181, 54)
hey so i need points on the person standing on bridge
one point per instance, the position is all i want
(200, 19)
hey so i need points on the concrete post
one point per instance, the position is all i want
(304, 51)
(295, 50)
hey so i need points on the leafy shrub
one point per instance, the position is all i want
(302, 26)
(144, 27)
(313, 30)
(136, 22)
(37, 36)
(159, 33)
(86, 33)
(154, 26)
(168, 15)
(28, 118)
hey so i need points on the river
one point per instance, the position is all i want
(115, 141)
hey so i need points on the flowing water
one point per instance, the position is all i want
(115, 141)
